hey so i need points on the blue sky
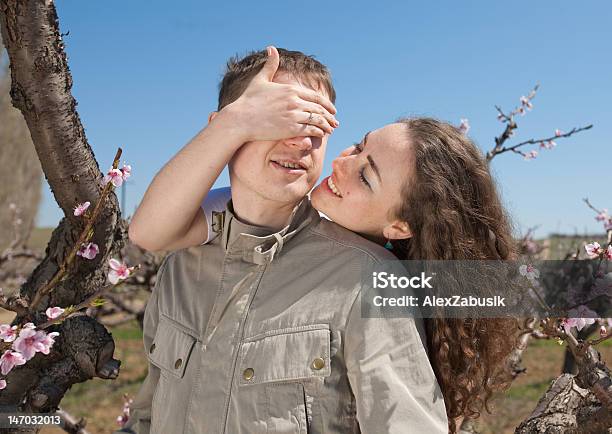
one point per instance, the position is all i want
(146, 74)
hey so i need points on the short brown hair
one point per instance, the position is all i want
(240, 71)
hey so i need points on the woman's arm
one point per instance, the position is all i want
(169, 216)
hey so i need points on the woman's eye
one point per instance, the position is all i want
(363, 179)
(358, 148)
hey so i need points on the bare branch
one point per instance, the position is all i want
(501, 149)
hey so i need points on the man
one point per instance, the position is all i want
(261, 330)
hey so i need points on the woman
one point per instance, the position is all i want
(422, 189)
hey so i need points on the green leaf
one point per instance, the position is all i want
(97, 302)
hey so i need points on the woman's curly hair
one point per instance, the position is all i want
(454, 213)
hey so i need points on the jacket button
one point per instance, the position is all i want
(318, 363)
(152, 348)
(248, 373)
(178, 363)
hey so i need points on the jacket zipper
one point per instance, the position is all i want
(240, 336)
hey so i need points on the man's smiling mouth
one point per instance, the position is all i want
(291, 165)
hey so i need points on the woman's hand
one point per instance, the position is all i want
(273, 111)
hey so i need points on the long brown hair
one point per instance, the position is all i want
(454, 212)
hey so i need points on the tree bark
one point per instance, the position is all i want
(567, 408)
(41, 90)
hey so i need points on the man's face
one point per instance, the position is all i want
(257, 167)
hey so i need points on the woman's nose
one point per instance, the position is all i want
(339, 165)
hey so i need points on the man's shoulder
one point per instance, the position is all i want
(344, 242)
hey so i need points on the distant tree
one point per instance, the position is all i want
(20, 171)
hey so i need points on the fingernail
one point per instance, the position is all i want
(269, 50)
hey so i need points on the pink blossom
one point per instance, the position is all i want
(531, 155)
(558, 133)
(88, 251)
(525, 102)
(46, 341)
(115, 176)
(2, 384)
(26, 343)
(119, 271)
(31, 341)
(608, 253)
(7, 332)
(579, 317)
(122, 419)
(579, 323)
(81, 208)
(602, 331)
(500, 117)
(547, 145)
(568, 323)
(54, 312)
(529, 271)
(126, 171)
(464, 126)
(593, 250)
(9, 360)
(603, 215)
(12, 206)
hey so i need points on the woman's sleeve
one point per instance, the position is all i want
(215, 200)
(395, 388)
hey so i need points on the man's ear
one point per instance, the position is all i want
(398, 230)
(211, 116)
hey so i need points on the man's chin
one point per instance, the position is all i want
(288, 194)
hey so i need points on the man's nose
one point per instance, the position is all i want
(304, 143)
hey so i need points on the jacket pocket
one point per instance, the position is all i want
(297, 353)
(285, 363)
(171, 348)
(170, 352)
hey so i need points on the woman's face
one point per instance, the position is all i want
(366, 182)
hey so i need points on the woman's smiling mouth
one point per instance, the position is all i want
(332, 187)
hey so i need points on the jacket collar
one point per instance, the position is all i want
(257, 244)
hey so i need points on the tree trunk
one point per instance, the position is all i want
(567, 408)
(41, 84)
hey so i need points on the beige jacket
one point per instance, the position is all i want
(258, 333)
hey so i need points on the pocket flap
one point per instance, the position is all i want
(286, 354)
(171, 347)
